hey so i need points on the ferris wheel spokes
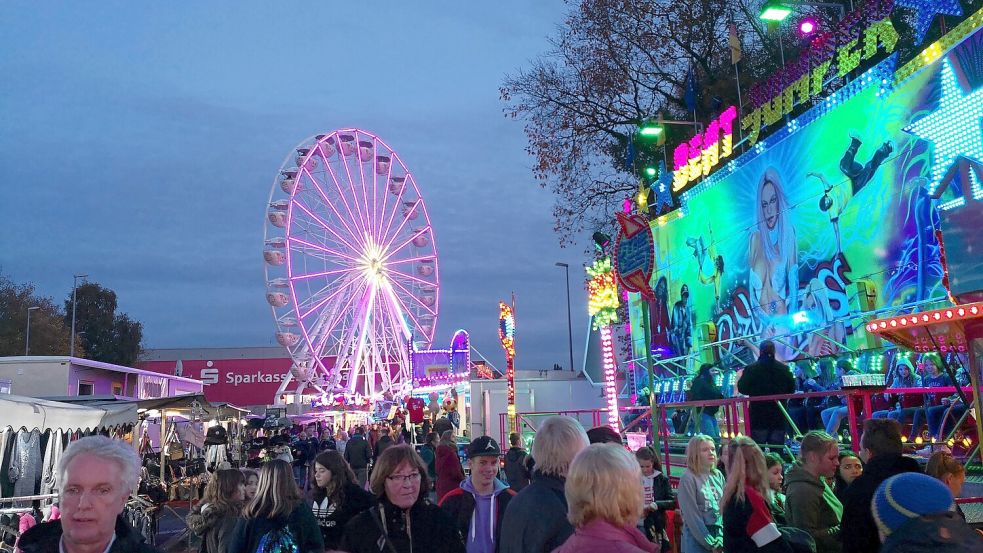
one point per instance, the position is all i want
(328, 202)
(324, 224)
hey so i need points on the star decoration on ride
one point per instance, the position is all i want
(954, 128)
(663, 189)
(925, 12)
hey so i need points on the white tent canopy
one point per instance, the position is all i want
(30, 413)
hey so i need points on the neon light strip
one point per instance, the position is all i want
(610, 385)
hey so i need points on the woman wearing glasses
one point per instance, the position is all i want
(402, 521)
(278, 518)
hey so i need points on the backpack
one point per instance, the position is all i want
(279, 540)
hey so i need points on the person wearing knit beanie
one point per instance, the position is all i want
(907, 496)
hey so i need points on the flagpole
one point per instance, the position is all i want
(740, 108)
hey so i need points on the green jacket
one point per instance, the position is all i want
(811, 505)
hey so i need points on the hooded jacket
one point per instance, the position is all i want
(536, 519)
(858, 531)
(811, 505)
(46, 537)
(474, 522)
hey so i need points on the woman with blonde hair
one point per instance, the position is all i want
(214, 519)
(402, 521)
(278, 517)
(809, 502)
(943, 466)
(605, 521)
(748, 524)
(700, 488)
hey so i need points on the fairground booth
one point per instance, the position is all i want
(836, 206)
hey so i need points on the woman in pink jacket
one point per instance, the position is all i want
(604, 521)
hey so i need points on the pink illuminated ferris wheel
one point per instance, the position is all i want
(351, 265)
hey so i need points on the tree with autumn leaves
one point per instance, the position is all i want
(615, 64)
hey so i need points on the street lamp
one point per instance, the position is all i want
(776, 11)
(566, 268)
(75, 285)
(27, 341)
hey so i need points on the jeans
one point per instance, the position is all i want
(833, 417)
(300, 475)
(362, 475)
(708, 426)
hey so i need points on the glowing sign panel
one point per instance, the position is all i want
(703, 152)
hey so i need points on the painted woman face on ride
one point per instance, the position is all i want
(769, 204)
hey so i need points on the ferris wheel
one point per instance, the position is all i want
(351, 265)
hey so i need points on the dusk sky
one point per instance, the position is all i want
(139, 142)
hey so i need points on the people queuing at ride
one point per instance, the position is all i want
(479, 504)
(851, 467)
(450, 473)
(776, 476)
(214, 519)
(336, 496)
(766, 377)
(603, 521)
(945, 468)
(811, 504)
(915, 513)
(277, 517)
(657, 497)
(96, 476)
(704, 388)
(881, 451)
(536, 518)
(748, 525)
(701, 487)
(517, 463)
(402, 520)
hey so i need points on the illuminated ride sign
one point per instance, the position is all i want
(506, 333)
(634, 254)
(703, 152)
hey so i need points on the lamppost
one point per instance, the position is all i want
(566, 268)
(75, 285)
(27, 341)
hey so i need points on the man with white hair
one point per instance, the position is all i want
(536, 519)
(96, 475)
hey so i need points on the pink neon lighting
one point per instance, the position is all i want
(703, 152)
(610, 386)
(334, 239)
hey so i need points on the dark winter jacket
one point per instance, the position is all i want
(749, 528)
(449, 470)
(381, 444)
(536, 518)
(705, 389)
(942, 533)
(766, 377)
(811, 505)
(460, 504)
(516, 471)
(429, 455)
(300, 522)
(433, 530)
(858, 531)
(214, 525)
(332, 517)
(357, 452)
(46, 537)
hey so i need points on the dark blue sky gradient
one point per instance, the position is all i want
(138, 143)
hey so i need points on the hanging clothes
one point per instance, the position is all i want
(52, 455)
(25, 464)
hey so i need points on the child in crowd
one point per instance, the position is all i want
(656, 497)
(700, 489)
(748, 525)
(775, 478)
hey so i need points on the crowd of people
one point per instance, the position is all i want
(576, 491)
